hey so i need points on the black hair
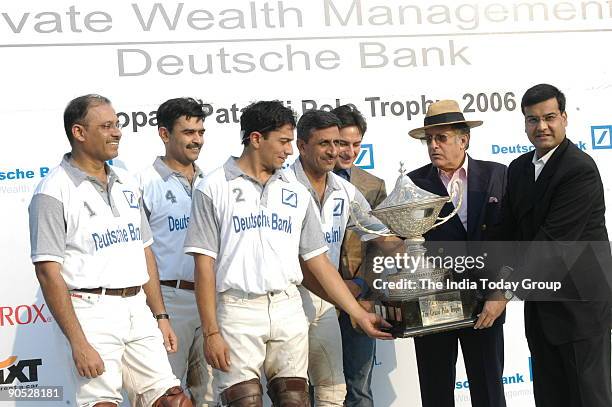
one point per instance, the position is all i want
(315, 120)
(264, 117)
(350, 116)
(173, 109)
(540, 93)
(77, 110)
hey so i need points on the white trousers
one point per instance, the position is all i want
(189, 363)
(125, 334)
(269, 331)
(324, 351)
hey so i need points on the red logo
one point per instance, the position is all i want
(24, 315)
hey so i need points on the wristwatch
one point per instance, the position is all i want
(508, 295)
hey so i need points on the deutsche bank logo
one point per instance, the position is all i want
(601, 137)
(131, 199)
(365, 159)
(289, 198)
(338, 206)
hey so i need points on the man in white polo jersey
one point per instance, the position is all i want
(90, 248)
(249, 226)
(166, 193)
(317, 141)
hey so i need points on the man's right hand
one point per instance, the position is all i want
(217, 352)
(87, 360)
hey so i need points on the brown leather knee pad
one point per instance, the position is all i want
(289, 392)
(173, 397)
(243, 394)
(105, 404)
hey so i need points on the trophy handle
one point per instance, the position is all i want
(456, 188)
(356, 208)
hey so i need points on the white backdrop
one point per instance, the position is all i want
(386, 57)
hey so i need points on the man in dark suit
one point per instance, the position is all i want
(556, 199)
(358, 349)
(447, 135)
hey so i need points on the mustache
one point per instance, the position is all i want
(194, 145)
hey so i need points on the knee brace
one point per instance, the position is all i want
(244, 394)
(173, 397)
(289, 392)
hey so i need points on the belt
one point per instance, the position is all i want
(182, 284)
(120, 292)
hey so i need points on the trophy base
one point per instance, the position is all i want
(429, 314)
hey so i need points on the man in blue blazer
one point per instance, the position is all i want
(447, 135)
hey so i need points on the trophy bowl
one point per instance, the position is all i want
(423, 297)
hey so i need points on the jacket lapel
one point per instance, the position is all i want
(476, 196)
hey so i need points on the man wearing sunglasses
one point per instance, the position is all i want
(447, 135)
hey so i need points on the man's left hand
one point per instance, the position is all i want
(370, 323)
(490, 312)
(170, 339)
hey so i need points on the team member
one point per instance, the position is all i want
(249, 225)
(358, 349)
(447, 135)
(166, 192)
(556, 197)
(317, 139)
(90, 248)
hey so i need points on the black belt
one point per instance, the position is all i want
(183, 284)
(120, 292)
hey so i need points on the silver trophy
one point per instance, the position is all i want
(417, 298)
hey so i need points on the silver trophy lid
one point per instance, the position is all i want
(406, 192)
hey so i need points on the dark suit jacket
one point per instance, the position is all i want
(351, 254)
(565, 204)
(486, 187)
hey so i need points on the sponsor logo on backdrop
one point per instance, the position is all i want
(365, 159)
(518, 149)
(601, 137)
(24, 314)
(15, 180)
(514, 378)
(14, 370)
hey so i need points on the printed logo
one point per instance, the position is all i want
(23, 314)
(601, 137)
(131, 199)
(289, 198)
(365, 159)
(238, 194)
(24, 371)
(338, 206)
(170, 197)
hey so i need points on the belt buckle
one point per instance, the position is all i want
(124, 292)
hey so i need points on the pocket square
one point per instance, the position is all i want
(493, 199)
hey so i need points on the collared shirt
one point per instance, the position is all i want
(166, 196)
(254, 232)
(344, 173)
(460, 174)
(97, 233)
(539, 163)
(334, 210)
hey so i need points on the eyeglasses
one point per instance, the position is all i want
(440, 138)
(105, 126)
(549, 118)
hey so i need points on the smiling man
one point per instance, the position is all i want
(167, 188)
(250, 224)
(318, 139)
(90, 243)
(556, 196)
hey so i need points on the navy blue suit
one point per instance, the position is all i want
(483, 350)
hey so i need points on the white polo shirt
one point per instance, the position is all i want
(254, 232)
(97, 234)
(334, 213)
(166, 196)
